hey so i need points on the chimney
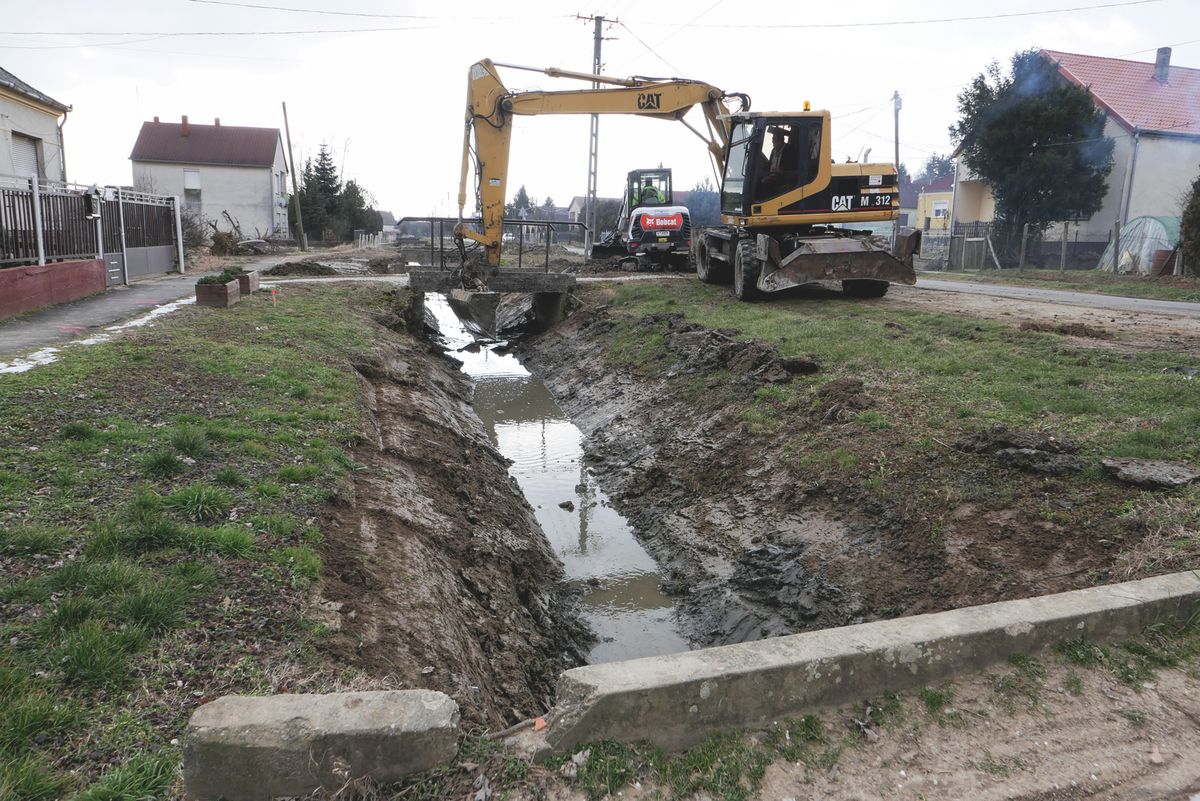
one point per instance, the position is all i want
(217, 121)
(1162, 65)
(156, 119)
(187, 129)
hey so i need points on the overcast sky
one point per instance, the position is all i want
(389, 103)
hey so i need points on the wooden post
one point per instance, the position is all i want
(1062, 256)
(300, 236)
(1024, 239)
(1116, 247)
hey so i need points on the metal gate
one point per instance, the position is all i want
(137, 234)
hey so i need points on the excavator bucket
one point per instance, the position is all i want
(834, 258)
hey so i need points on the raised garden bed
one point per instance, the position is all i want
(248, 282)
(219, 291)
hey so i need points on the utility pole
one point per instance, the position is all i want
(896, 141)
(896, 104)
(594, 135)
(300, 236)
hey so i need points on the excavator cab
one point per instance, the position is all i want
(770, 157)
(648, 188)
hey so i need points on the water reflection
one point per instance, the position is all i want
(618, 579)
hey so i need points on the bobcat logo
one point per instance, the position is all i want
(843, 202)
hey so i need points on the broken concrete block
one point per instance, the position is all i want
(1151, 472)
(251, 748)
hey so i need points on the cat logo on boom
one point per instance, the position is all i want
(649, 100)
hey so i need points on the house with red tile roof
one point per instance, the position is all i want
(217, 169)
(1154, 120)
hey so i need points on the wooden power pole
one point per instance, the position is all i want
(300, 235)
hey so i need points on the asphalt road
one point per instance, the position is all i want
(1175, 308)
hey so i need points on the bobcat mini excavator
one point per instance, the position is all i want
(651, 228)
(788, 213)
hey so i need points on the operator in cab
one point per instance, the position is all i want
(649, 194)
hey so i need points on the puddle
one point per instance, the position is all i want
(617, 578)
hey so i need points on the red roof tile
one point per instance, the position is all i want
(206, 144)
(1128, 91)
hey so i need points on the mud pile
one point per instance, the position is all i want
(436, 570)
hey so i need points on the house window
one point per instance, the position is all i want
(191, 179)
(25, 156)
(941, 209)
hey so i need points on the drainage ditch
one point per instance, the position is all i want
(616, 578)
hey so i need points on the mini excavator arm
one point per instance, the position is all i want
(491, 107)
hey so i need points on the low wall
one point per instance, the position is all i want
(677, 701)
(24, 289)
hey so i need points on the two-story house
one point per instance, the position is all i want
(217, 169)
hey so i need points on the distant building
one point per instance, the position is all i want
(934, 203)
(1155, 127)
(217, 169)
(575, 210)
(31, 140)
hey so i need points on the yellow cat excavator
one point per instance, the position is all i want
(788, 213)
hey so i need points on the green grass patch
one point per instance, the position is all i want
(141, 778)
(162, 464)
(200, 503)
(301, 563)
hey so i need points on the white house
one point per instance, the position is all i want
(1154, 121)
(217, 169)
(31, 140)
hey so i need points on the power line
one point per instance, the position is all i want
(309, 10)
(220, 33)
(676, 31)
(890, 23)
(650, 50)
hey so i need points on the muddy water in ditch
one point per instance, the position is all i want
(616, 577)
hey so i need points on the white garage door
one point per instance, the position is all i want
(25, 156)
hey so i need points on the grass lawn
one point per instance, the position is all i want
(159, 499)
(1132, 286)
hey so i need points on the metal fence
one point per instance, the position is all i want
(974, 246)
(135, 233)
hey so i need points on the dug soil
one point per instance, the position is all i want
(822, 520)
(437, 572)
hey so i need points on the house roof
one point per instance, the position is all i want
(387, 218)
(15, 84)
(1132, 96)
(206, 144)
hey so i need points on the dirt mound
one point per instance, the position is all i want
(300, 268)
(841, 400)
(1028, 451)
(702, 350)
(1067, 329)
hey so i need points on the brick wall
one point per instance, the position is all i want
(24, 289)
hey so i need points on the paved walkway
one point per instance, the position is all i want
(1178, 308)
(59, 324)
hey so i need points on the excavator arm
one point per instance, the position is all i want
(491, 108)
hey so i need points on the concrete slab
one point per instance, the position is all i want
(677, 701)
(503, 281)
(252, 748)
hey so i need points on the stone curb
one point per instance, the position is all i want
(677, 701)
(255, 748)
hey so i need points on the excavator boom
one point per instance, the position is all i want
(491, 108)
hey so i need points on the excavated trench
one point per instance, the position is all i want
(616, 580)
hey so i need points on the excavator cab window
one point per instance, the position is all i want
(737, 162)
(787, 157)
(650, 188)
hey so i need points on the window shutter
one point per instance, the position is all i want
(25, 156)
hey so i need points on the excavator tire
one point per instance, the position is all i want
(746, 269)
(709, 271)
(865, 288)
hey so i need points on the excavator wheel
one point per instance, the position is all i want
(865, 288)
(746, 269)
(707, 270)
